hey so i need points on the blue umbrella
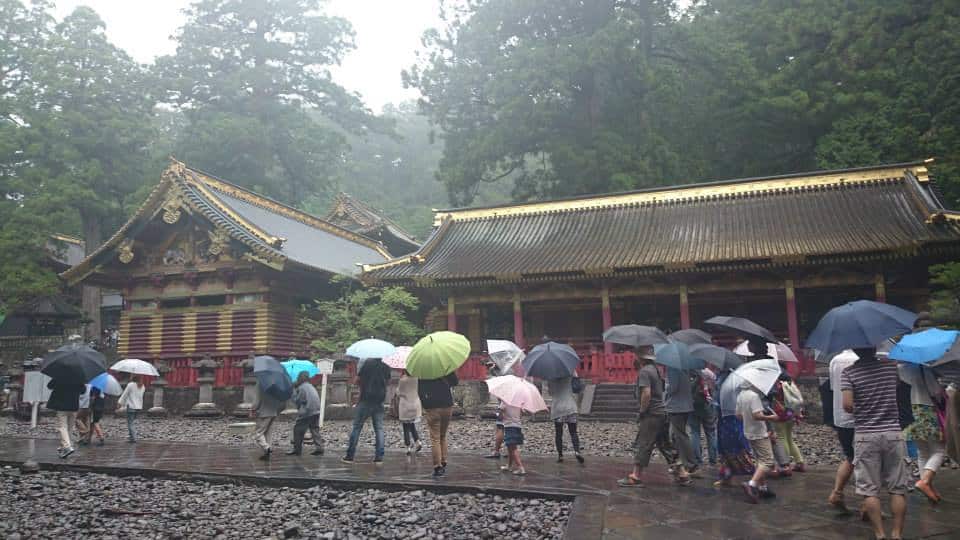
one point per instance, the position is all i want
(718, 356)
(677, 356)
(272, 377)
(858, 325)
(924, 347)
(295, 367)
(551, 361)
(107, 384)
(371, 348)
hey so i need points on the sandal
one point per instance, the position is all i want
(630, 481)
(836, 501)
(928, 491)
(520, 472)
(504, 468)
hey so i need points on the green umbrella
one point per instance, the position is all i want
(438, 355)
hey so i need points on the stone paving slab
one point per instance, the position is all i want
(600, 509)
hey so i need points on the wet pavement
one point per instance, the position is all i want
(600, 509)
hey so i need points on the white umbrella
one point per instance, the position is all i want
(779, 351)
(517, 392)
(136, 367)
(397, 360)
(762, 374)
(504, 353)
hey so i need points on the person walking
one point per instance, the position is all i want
(307, 399)
(436, 398)
(754, 415)
(97, 405)
(926, 395)
(869, 389)
(373, 391)
(494, 371)
(409, 411)
(65, 399)
(704, 416)
(132, 400)
(513, 438)
(563, 410)
(653, 428)
(678, 403)
(843, 424)
(265, 409)
(787, 405)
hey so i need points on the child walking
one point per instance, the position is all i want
(755, 416)
(96, 413)
(409, 411)
(512, 438)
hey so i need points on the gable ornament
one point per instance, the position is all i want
(171, 208)
(125, 251)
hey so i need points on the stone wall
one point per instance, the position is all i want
(471, 396)
(810, 388)
(179, 400)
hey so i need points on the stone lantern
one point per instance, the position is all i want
(158, 388)
(205, 408)
(249, 389)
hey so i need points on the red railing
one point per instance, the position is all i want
(229, 373)
(181, 375)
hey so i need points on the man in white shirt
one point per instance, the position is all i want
(843, 424)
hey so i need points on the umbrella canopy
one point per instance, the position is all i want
(136, 367)
(691, 336)
(860, 324)
(718, 356)
(742, 326)
(107, 384)
(73, 363)
(398, 360)
(294, 367)
(729, 390)
(551, 360)
(504, 353)
(517, 392)
(761, 374)
(371, 348)
(634, 335)
(677, 356)
(438, 354)
(272, 377)
(924, 347)
(779, 351)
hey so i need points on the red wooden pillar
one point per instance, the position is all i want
(607, 317)
(880, 286)
(518, 323)
(451, 314)
(684, 308)
(792, 326)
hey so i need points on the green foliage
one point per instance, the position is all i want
(380, 312)
(945, 300)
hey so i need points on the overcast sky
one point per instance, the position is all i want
(387, 34)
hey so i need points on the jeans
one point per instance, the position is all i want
(708, 423)
(410, 434)
(131, 416)
(313, 424)
(438, 421)
(374, 411)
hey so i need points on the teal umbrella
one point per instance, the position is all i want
(677, 356)
(295, 367)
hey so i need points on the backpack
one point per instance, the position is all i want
(792, 398)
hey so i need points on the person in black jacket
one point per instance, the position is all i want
(437, 401)
(373, 391)
(65, 399)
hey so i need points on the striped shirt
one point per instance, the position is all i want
(874, 386)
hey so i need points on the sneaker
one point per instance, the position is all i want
(347, 459)
(560, 458)
(266, 455)
(520, 472)
(378, 461)
(504, 468)
(420, 447)
(66, 452)
(765, 493)
(292, 452)
(437, 472)
(752, 493)
(409, 450)
(579, 458)
(317, 452)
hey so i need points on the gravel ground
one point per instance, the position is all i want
(71, 505)
(817, 442)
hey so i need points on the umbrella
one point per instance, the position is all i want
(73, 363)
(860, 324)
(634, 335)
(517, 392)
(551, 360)
(504, 353)
(691, 336)
(677, 356)
(370, 348)
(779, 351)
(762, 374)
(718, 356)
(742, 326)
(398, 360)
(438, 354)
(729, 390)
(272, 377)
(136, 367)
(107, 384)
(294, 367)
(924, 347)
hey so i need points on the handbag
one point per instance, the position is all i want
(576, 385)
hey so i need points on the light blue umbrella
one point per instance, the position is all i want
(677, 356)
(924, 347)
(107, 384)
(858, 325)
(295, 367)
(370, 348)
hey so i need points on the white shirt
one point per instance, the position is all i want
(132, 396)
(748, 402)
(840, 362)
(923, 384)
(510, 415)
(85, 398)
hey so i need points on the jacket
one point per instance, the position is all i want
(307, 400)
(408, 406)
(373, 381)
(265, 405)
(64, 396)
(435, 393)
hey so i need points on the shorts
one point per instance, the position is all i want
(845, 436)
(97, 415)
(762, 452)
(568, 419)
(878, 461)
(512, 436)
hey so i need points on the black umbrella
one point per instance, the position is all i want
(551, 361)
(742, 326)
(73, 363)
(691, 336)
(635, 335)
(272, 377)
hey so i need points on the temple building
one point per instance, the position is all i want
(780, 250)
(360, 218)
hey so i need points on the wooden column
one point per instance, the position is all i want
(684, 308)
(518, 323)
(880, 286)
(792, 327)
(451, 314)
(607, 317)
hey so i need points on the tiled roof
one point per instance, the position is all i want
(779, 220)
(355, 215)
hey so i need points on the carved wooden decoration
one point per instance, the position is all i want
(171, 208)
(125, 251)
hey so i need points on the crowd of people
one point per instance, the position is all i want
(80, 407)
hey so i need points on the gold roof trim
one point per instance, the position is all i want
(267, 238)
(67, 238)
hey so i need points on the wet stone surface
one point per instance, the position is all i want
(75, 505)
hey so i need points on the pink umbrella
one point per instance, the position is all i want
(517, 392)
(398, 360)
(779, 351)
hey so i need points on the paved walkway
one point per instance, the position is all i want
(601, 509)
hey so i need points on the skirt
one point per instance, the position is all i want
(512, 436)
(925, 426)
(733, 448)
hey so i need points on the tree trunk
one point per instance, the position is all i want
(90, 294)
